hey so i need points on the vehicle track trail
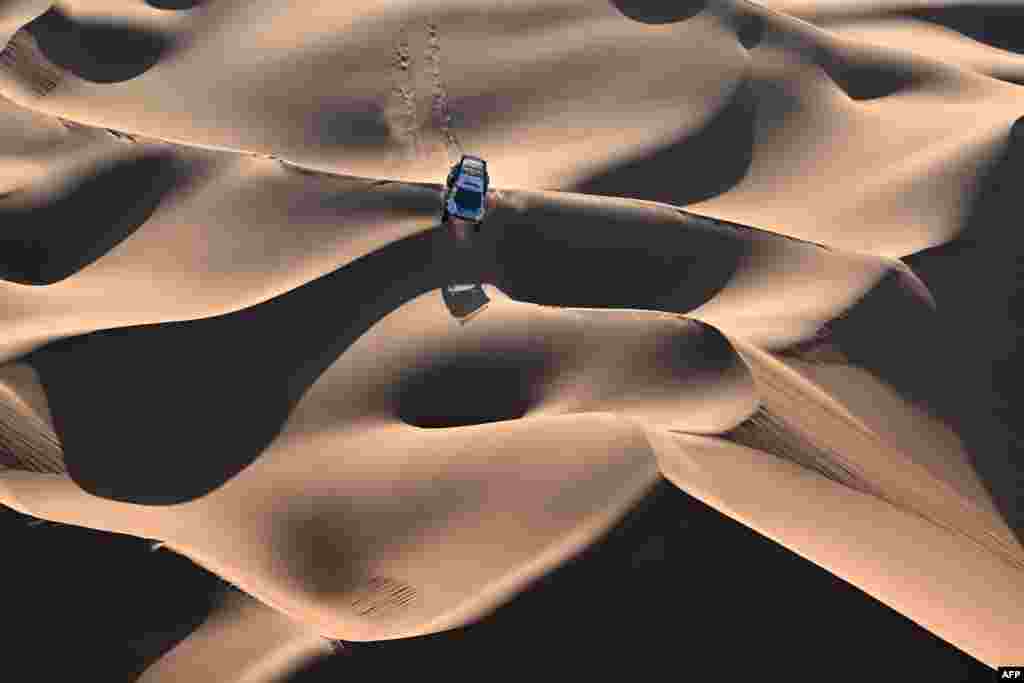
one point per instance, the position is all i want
(404, 121)
(441, 114)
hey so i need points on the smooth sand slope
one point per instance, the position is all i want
(394, 90)
(352, 499)
(264, 646)
(220, 324)
(776, 289)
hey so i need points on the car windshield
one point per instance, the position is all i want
(467, 199)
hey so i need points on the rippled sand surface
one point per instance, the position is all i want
(760, 252)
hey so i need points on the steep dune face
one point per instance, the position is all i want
(862, 539)
(820, 109)
(220, 323)
(105, 377)
(317, 541)
(267, 646)
(931, 40)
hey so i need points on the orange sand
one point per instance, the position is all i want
(320, 137)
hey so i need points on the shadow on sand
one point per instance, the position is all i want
(1000, 25)
(161, 414)
(558, 253)
(672, 567)
(95, 51)
(978, 352)
(959, 362)
(659, 11)
(696, 167)
(41, 245)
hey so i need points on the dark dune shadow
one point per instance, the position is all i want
(978, 283)
(1001, 26)
(936, 360)
(703, 351)
(957, 362)
(98, 52)
(114, 575)
(749, 29)
(866, 76)
(659, 11)
(160, 414)
(350, 122)
(41, 245)
(748, 25)
(714, 159)
(485, 386)
(696, 167)
(174, 4)
(671, 569)
(592, 257)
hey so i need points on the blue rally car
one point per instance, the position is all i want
(466, 191)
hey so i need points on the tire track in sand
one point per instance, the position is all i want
(404, 120)
(441, 114)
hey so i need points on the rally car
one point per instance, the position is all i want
(466, 191)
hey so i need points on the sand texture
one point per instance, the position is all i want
(765, 253)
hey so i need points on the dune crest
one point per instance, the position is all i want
(753, 250)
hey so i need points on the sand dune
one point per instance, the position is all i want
(730, 274)
(265, 646)
(220, 324)
(933, 41)
(284, 65)
(861, 538)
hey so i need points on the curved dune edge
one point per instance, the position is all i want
(242, 641)
(378, 120)
(446, 504)
(253, 523)
(933, 41)
(784, 291)
(355, 525)
(821, 136)
(181, 268)
(840, 8)
(451, 491)
(935, 159)
(809, 132)
(312, 433)
(889, 449)
(973, 601)
(217, 246)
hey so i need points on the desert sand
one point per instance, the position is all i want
(724, 247)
